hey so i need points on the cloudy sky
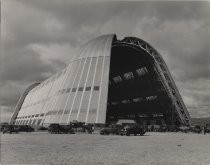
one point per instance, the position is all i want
(39, 38)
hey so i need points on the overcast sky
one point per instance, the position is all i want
(39, 38)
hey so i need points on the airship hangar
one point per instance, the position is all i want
(106, 81)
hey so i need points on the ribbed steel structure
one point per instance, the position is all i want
(84, 91)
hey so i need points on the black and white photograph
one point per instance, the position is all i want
(105, 82)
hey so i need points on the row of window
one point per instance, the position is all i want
(67, 111)
(62, 91)
(127, 101)
(28, 122)
(130, 75)
(30, 116)
(67, 90)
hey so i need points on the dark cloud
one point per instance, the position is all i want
(42, 36)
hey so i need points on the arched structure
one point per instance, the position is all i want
(107, 80)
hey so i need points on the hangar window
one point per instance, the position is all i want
(142, 71)
(117, 79)
(115, 102)
(74, 89)
(126, 101)
(68, 90)
(66, 111)
(96, 88)
(60, 111)
(37, 115)
(128, 75)
(80, 89)
(42, 114)
(137, 100)
(150, 98)
(88, 88)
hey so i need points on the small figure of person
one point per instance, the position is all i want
(204, 129)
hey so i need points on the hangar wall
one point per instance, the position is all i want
(79, 92)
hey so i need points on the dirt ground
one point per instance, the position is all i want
(95, 149)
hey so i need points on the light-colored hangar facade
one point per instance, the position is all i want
(107, 80)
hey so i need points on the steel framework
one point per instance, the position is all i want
(163, 73)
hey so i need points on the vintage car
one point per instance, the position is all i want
(10, 129)
(112, 129)
(25, 128)
(196, 129)
(133, 129)
(163, 128)
(2, 125)
(184, 129)
(57, 129)
(207, 128)
(89, 128)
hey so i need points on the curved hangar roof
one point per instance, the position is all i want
(96, 113)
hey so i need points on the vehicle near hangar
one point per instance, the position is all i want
(10, 129)
(196, 129)
(207, 128)
(112, 129)
(55, 128)
(133, 129)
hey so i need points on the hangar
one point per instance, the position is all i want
(106, 81)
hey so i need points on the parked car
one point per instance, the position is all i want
(173, 128)
(25, 128)
(112, 129)
(207, 128)
(66, 129)
(89, 128)
(156, 128)
(57, 128)
(54, 128)
(163, 128)
(41, 128)
(184, 129)
(10, 129)
(196, 129)
(2, 125)
(133, 129)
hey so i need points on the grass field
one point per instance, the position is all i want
(95, 149)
